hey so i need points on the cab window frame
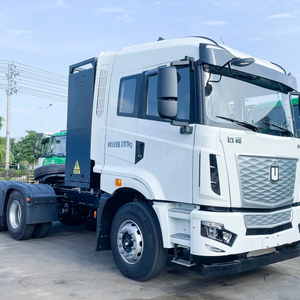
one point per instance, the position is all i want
(134, 113)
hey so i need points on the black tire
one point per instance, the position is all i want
(16, 217)
(41, 230)
(42, 171)
(144, 245)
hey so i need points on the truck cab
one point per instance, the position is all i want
(222, 180)
(180, 146)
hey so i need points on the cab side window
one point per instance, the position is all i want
(128, 95)
(183, 101)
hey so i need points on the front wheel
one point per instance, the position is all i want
(136, 242)
(16, 217)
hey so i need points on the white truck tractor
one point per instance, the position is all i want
(178, 146)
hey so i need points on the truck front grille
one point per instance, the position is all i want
(256, 187)
(263, 231)
(267, 220)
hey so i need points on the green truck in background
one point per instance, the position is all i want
(295, 101)
(53, 156)
(54, 148)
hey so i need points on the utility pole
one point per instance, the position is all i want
(7, 149)
(11, 89)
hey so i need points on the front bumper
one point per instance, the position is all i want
(246, 264)
(244, 243)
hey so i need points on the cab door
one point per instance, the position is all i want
(164, 156)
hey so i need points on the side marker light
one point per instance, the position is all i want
(118, 182)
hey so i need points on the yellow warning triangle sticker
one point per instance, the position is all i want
(76, 168)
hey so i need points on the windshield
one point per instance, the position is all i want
(237, 103)
(54, 146)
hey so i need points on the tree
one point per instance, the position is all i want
(3, 151)
(1, 122)
(23, 149)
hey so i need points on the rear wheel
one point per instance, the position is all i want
(16, 217)
(41, 230)
(136, 242)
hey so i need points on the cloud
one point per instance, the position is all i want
(216, 23)
(123, 13)
(53, 4)
(13, 31)
(61, 3)
(11, 43)
(280, 16)
(126, 19)
(289, 31)
(112, 9)
(156, 3)
(254, 40)
(230, 5)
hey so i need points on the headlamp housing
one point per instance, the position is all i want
(217, 232)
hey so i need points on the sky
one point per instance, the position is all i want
(51, 35)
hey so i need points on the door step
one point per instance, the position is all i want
(180, 239)
(183, 262)
(181, 236)
(180, 213)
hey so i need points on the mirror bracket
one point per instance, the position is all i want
(185, 127)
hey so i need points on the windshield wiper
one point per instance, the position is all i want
(284, 129)
(241, 123)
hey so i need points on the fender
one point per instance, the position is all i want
(41, 201)
(108, 206)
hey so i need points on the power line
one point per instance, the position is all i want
(34, 82)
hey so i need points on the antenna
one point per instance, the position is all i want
(222, 40)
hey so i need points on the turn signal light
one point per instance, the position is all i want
(118, 182)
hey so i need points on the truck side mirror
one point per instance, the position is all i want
(167, 93)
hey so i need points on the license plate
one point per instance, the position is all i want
(271, 241)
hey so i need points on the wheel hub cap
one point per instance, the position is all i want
(130, 242)
(15, 214)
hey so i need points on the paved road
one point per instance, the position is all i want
(64, 265)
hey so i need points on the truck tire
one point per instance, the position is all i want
(136, 242)
(41, 230)
(42, 171)
(16, 217)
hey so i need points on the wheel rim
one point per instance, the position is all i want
(130, 242)
(15, 214)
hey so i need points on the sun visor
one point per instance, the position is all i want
(219, 56)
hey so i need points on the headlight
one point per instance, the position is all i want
(217, 232)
